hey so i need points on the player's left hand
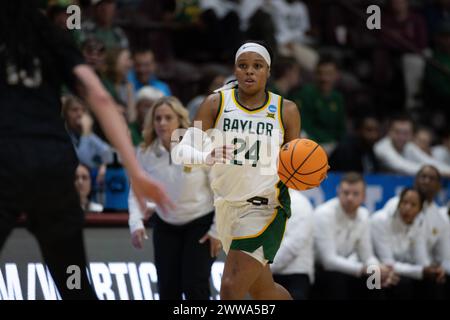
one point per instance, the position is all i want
(214, 244)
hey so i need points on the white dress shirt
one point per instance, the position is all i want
(409, 161)
(399, 245)
(441, 153)
(291, 21)
(342, 244)
(189, 189)
(436, 230)
(296, 253)
(414, 153)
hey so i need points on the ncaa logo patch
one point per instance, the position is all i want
(272, 108)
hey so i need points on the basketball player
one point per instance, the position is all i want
(252, 207)
(37, 159)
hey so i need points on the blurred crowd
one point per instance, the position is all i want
(376, 100)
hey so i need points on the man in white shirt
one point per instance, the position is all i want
(435, 225)
(343, 245)
(399, 154)
(293, 266)
(442, 152)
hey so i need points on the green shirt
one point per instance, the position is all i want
(136, 134)
(188, 11)
(323, 118)
(109, 86)
(113, 37)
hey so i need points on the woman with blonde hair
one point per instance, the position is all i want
(183, 256)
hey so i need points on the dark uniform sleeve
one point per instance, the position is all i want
(69, 56)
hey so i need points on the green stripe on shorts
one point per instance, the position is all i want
(283, 198)
(270, 239)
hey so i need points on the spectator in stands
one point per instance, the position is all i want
(184, 239)
(94, 52)
(293, 266)
(423, 138)
(286, 78)
(418, 154)
(399, 154)
(188, 30)
(91, 150)
(144, 72)
(222, 21)
(256, 21)
(343, 244)
(118, 65)
(291, 19)
(442, 152)
(403, 40)
(435, 225)
(399, 241)
(83, 184)
(403, 29)
(210, 81)
(102, 26)
(355, 153)
(322, 106)
(145, 99)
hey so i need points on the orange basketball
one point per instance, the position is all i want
(303, 164)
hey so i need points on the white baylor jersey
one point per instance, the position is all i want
(257, 136)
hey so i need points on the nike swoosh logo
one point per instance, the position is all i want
(226, 111)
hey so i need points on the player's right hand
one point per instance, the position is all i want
(220, 155)
(146, 188)
(138, 237)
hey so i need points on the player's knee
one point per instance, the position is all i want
(228, 288)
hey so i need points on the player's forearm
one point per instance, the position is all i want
(115, 130)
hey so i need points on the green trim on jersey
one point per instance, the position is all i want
(219, 110)
(235, 95)
(280, 116)
(270, 239)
